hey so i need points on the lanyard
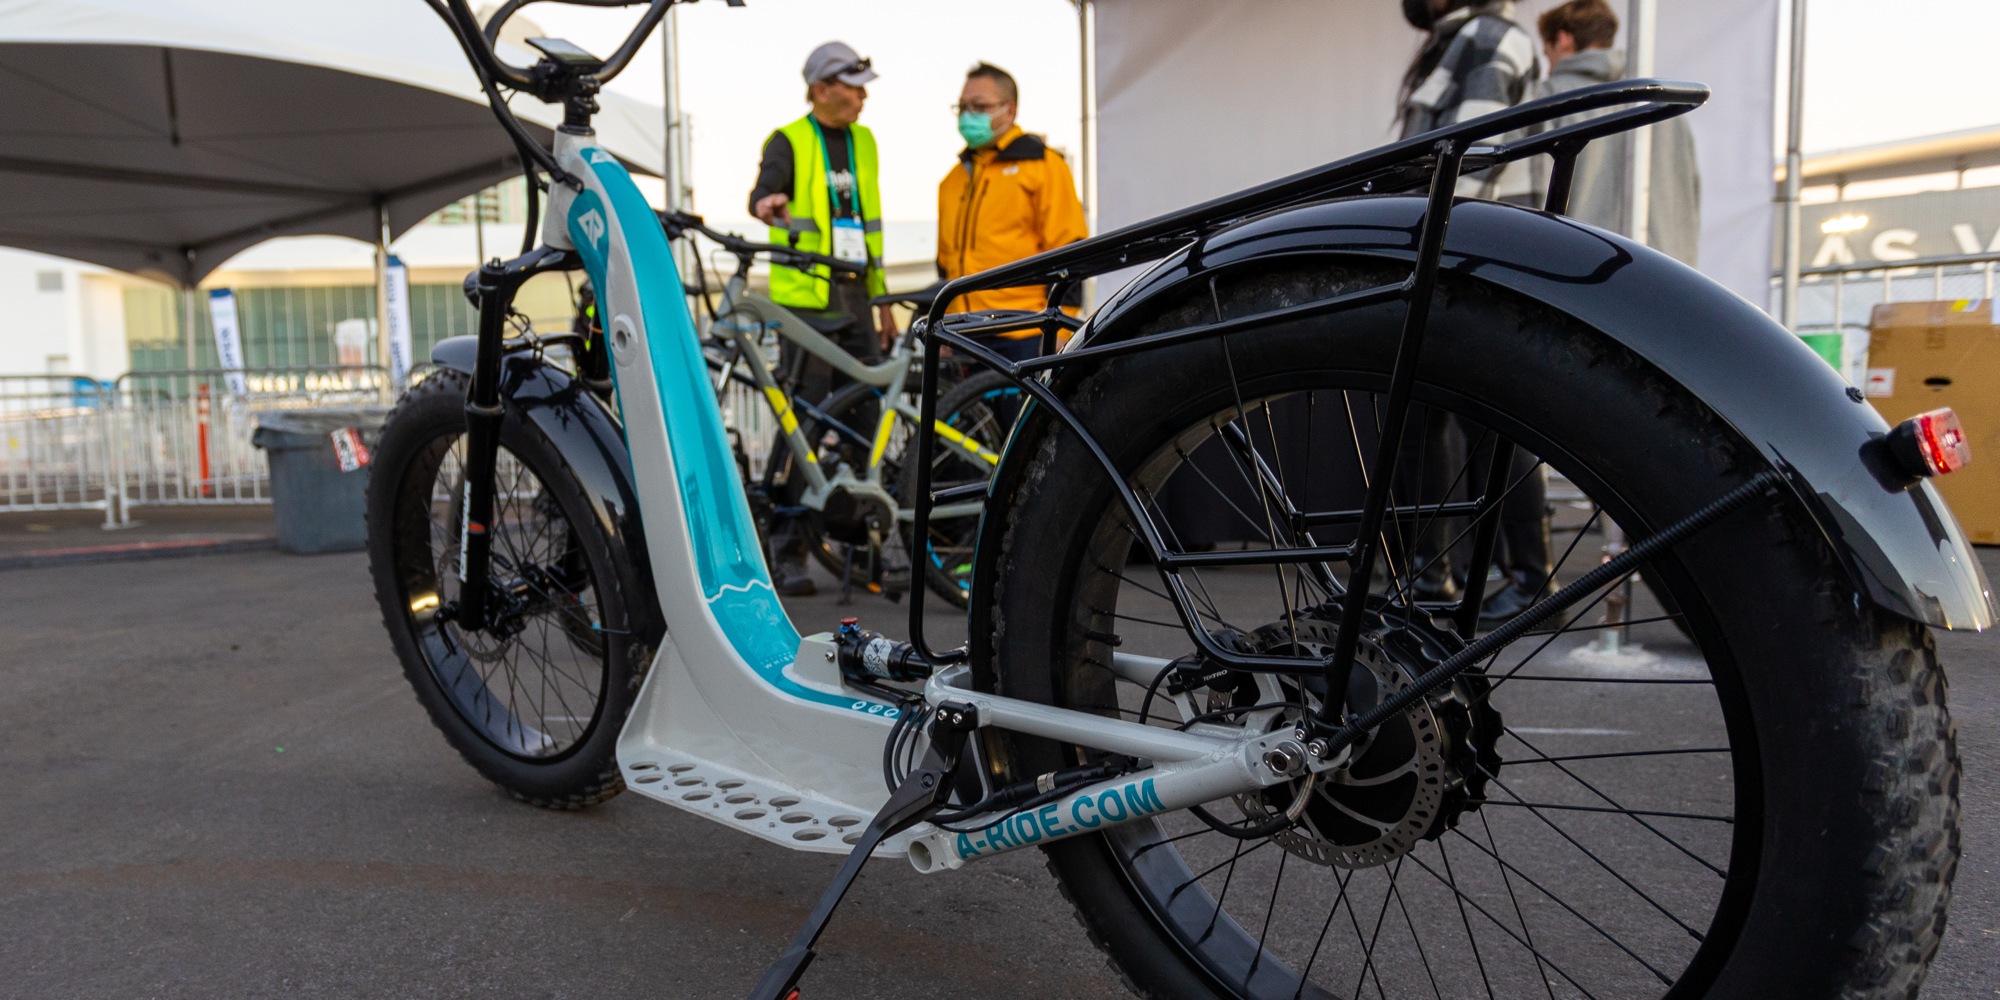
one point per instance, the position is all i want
(853, 169)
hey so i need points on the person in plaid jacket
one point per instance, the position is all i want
(1477, 60)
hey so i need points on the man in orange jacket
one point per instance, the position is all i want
(1009, 197)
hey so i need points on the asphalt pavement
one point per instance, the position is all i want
(217, 784)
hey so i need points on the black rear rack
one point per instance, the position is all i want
(1430, 162)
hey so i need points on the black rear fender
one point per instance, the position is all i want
(1901, 547)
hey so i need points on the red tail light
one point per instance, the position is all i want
(1930, 444)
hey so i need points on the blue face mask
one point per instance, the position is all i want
(976, 127)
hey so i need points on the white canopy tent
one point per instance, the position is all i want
(161, 137)
(1195, 98)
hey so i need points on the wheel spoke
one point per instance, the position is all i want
(1465, 900)
(1614, 803)
(1541, 972)
(1248, 484)
(1451, 882)
(1339, 899)
(1573, 911)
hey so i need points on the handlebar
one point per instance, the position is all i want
(920, 299)
(525, 79)
(678, 223)
(481, 44)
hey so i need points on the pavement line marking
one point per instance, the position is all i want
(1572, 732)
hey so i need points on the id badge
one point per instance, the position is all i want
(850, 242)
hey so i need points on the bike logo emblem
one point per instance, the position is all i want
(593, 225)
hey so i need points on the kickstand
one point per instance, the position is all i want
(920, 796)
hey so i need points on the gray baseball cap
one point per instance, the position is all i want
(837, 61)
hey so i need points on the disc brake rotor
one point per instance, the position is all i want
(1408, 780)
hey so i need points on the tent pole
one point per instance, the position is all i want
(672, 170)
(187, 324)
(479, 229)
(1788, 300)
(384, 350)
(674, 159)
(1641, 28)
(1086, 37)
(1641, 24)
(188, 285)
(1087, 103)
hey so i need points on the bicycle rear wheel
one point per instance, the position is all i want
(1771, 811)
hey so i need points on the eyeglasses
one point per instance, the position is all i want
(978, 107)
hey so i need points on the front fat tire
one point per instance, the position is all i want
(1855, 759)
(425, 420)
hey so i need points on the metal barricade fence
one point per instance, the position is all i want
(181, 438)
(1841, 297)
(52, 453)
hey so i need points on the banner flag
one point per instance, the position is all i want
(228, 339)
(397, 290)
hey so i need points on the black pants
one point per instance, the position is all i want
(811, 380)
(1435, 449)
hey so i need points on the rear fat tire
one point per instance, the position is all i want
(425, 420)
(1838, 887)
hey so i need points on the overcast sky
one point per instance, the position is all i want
(1876, 72)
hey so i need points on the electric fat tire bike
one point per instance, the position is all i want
(1259, 763)
(839, 460)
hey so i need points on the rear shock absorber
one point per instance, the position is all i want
(870, 657)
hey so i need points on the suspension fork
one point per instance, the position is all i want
(498, 282)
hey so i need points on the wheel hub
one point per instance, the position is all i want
(1409, 780)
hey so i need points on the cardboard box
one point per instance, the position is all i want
(1923, 355)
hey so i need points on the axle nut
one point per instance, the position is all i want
(1285, 758)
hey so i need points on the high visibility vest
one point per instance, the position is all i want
(812, 216)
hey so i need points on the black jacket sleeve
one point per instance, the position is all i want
(774, 174)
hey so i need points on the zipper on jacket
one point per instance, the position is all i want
(965, 212)
(971, 226)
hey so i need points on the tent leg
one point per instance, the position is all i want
(1640, 30)
(1788, 293)
(187, 326)
(1086, 37)
(384, 350)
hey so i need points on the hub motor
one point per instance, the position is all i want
(1409, 780)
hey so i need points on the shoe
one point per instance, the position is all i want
(793, 582)
(1437, 584)
(1521, 591)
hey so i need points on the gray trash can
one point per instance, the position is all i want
(318, 507)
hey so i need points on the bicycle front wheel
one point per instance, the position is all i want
(1768, 810)
(535, 700)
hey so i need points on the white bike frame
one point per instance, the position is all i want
(740, 719)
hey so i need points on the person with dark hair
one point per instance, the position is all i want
(1009, 196)
(1576, 37)
(1476, 60)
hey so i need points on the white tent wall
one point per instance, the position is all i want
(1196, 98)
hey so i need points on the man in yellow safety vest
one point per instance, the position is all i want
(817, 189)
